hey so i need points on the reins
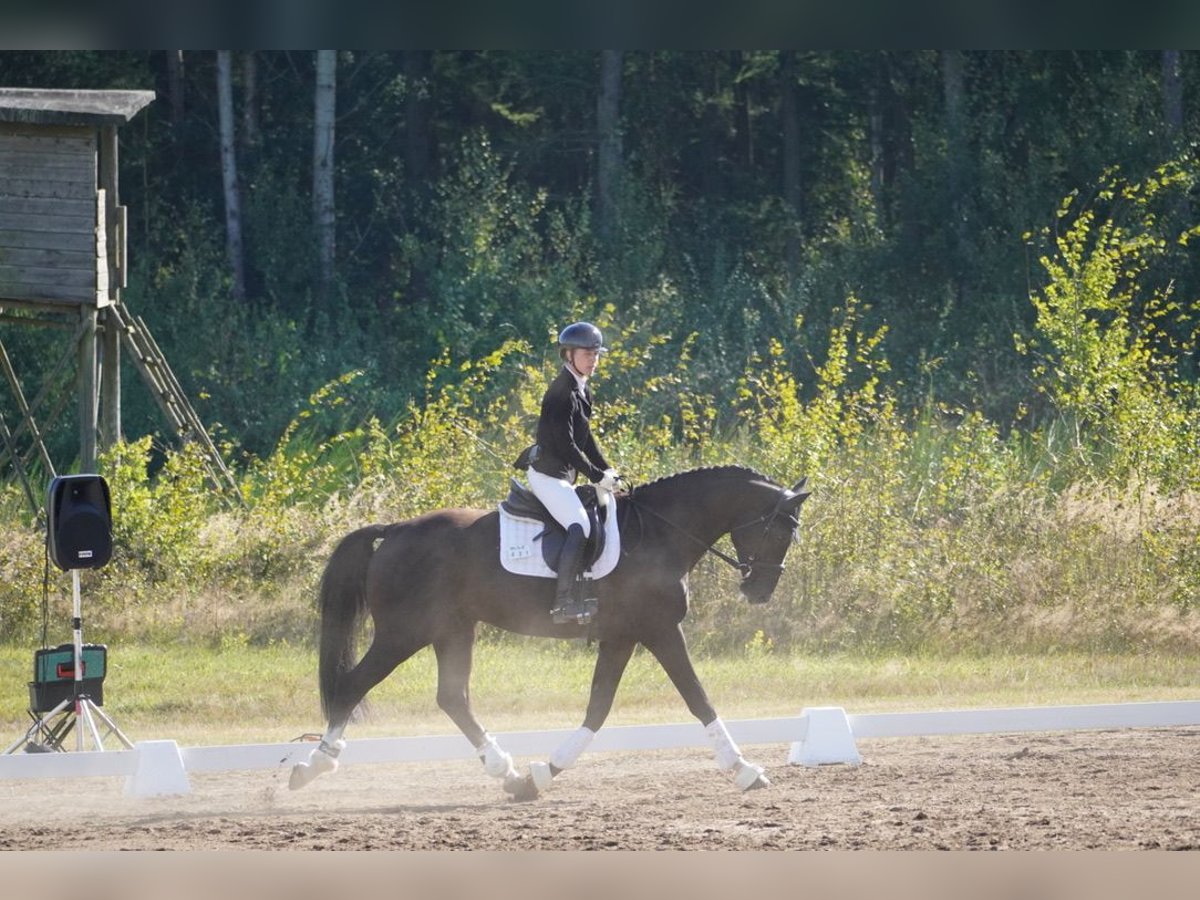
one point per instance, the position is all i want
(743, 567)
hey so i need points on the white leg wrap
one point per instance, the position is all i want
(727, 752)
(496, 762)
(321, 761)
(566, 754)
(541, 775)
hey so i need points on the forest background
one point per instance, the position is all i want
(954, 288)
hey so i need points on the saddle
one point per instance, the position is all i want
(522, 503)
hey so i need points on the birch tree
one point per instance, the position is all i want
(323, 129)
(229, 174)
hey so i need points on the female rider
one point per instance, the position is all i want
(566, 449)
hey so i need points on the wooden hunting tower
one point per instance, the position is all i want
(63, 240)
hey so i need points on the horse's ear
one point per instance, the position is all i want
(801, 490)
(797, 495)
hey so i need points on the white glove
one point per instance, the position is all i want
(610, 481)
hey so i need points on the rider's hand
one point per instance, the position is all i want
(610, 482)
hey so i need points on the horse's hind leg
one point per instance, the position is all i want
(454, 698)
(377, 663)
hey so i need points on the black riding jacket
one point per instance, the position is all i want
(564, 433)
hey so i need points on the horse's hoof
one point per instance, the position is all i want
(302, 774)
(522, 790)
(318, 764)
(762, 781)
(750, 777)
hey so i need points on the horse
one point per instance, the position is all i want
(433, 578)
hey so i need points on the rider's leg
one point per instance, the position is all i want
(568, 604)
(559, 497)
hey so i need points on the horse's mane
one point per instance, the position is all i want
(728, 471)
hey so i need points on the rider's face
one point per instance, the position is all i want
(584, 361)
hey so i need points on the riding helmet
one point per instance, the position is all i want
(581, 336)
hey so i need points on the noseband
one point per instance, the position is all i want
(745, 568)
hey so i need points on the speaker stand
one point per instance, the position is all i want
(78, 712)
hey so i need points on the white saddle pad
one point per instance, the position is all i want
(521, 548)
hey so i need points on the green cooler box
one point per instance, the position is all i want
(54, 675)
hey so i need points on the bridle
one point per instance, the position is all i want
(745, 568)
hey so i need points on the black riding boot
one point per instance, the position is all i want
(568, 604)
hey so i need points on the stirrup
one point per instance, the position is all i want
(573, 610)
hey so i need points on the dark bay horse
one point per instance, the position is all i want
(431, 579)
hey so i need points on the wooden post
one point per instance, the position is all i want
(87, 389)
(110, 383)
(110, 367)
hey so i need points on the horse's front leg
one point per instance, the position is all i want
(611, 661)
(670, 649)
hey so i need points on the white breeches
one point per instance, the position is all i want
(558, 495)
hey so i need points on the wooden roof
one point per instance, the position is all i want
(43, 106)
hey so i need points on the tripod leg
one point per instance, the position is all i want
(112, 726)
(41, 728)
(83, 709)
(25, 739)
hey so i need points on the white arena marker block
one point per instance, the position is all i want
(158, 771)
(827, 739)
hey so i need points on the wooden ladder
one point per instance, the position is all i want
(169, 395)
(27, 428)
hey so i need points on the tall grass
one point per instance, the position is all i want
(930, 529)
(236, 693)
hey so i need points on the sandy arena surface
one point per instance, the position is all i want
(1126, 789)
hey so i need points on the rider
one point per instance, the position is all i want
(565, 449)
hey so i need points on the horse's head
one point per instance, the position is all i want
(761, 544)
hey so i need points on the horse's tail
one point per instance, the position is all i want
(343, 605)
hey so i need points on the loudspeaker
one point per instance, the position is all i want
(79, 522)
